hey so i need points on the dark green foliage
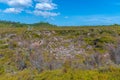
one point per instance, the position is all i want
(43, 24)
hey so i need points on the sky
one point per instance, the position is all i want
(61, 12)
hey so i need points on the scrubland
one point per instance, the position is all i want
(47, 52)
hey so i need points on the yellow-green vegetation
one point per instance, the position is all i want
(43, 51)
(101, 74)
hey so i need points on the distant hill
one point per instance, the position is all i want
(11, 24)
(18, 24)
(43, 24)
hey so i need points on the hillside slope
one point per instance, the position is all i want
(59, 53)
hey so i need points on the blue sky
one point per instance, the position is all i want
(61, 12)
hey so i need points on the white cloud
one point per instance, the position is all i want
(45, 6)
(37, 7)
(12, 10)
(98, 19)
(18, 3)
(45, 13)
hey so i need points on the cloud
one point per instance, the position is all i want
(46, 6)
(12, 10)
(99, 19)
(17, 3)
(45, 13)
(43, 8)
(89, 20)
(38, 7)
